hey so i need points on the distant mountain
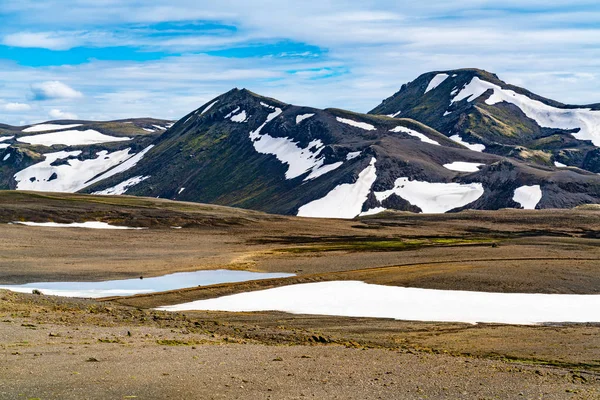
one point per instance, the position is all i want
(245, 150)
(476, 108)
(67, 156)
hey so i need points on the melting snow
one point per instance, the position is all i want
(49, 127)
(129, 287)
(415, 134)
(6, 157)
(361, 125)
(87, 224)
(436, 81)
(209, 107)
(434, 198)
(584, 119)
(122, 187)
(560, 165)
(372, 211)
(462, 166)
(232, 113)
(352, 155)
(300, 118)
(345, 200)
(528, 196)
(394, 115)
(446, 113)
(359, 299)
(122, 167)
(181, 190)
(4, 145)
(162, 128)
(148, 129)
(71, 138)
(5, 138)
(470, 146)
(241, 117)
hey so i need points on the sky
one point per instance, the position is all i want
(112, 59)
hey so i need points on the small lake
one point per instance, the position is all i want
(129, 287)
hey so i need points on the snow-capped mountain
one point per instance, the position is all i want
(477, 109)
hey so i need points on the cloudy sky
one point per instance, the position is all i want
(110, 59)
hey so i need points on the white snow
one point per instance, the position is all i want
(232, 113)
(87, 224)
(352, 155)
(209, 107)
(415, 134)
(49, 127)
(361, 125)
(372, 211)
(300, 118)
(267, 105)
(241, 117)
(148, 130)
(129, 287)
(528, 196)
(359, 299)
(560, 165)
(584, 119)
(162, 128)
(446, 113)
(394, 115)
(436, 81)
(4, 145)
(6, 157)
(5, 138)
(345, 200)
(470, 146)
(433, 198)
(299, 160)
(462, 166)
(122, 187)
(181, 190)
(76, 174)
(71, 138)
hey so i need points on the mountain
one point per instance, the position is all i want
(67, 156)
(244, 150)
(476, 108)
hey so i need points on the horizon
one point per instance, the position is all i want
(121, 60)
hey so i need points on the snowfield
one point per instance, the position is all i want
(345, 200)
(87, 224)
(528, 196)
(470, 146)
(584, 119)
(352, 155)
(208, 107)
(122, 187)
(71, 138)
(436, 81)
(359, 299)
(356, 124)
(300, 118)
(5, 138)
(462, 166)
(49, 127)
(414, 133)
(560, 165)
(434, 198)
(129, 287)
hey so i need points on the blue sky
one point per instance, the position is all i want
(109, 59)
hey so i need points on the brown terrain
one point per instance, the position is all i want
(120, 348)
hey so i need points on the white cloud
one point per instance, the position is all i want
(50, 90)
(44, 40)
(58, 114)
(13, 107)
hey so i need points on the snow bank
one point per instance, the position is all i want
(49, 127)
(352, 155)
(87, 224)
(359, 299)
(584, 119)
(209, 107)
(434, 198)
(470, 146)
(560, 165)
(361, 125)
(300, 118)
(436, 81)
(122, 187)
(462, 166)
(528, 196)
(345, 200)
(415, 134)
(71, 138)
(5, 138)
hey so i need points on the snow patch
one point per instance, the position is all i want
(352, 155)
(436, 81)
(359, 299)
(87, 224)
(434, 198)
(394, 115)
(49, 127)
(462, 166)
(414, 133)
(560, 165)
(122, 187)
(361, 125)
(122, 167)
(71, 138)
(300, 118)
(470, 146)
(181, 190)
(5, 138)
(232, 113)
(6, 157)
(162, 128)
(209, 107)
(4, 145)
(446, 113)
(241, 117)
(345, 200)
(584, 119)
(148, 130)
(528, 196)
(372, 211)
